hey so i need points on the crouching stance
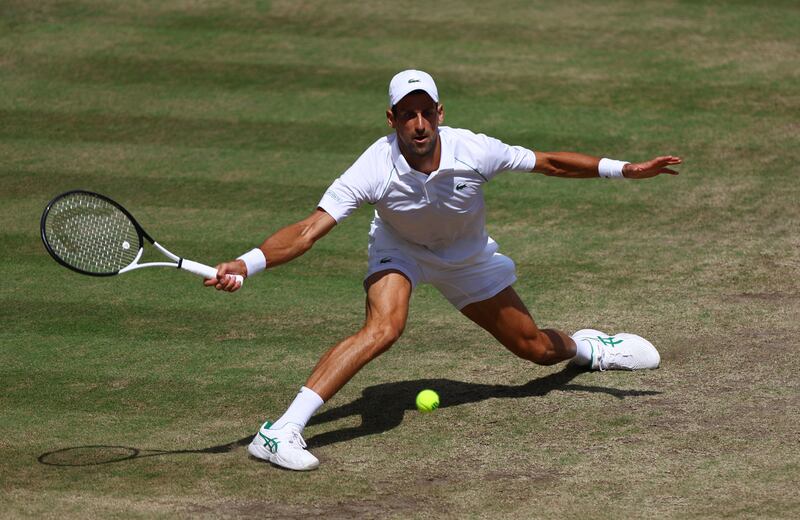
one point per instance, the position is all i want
(425, 181)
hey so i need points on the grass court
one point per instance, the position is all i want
(216, 123)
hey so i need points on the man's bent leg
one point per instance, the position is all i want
(506, 318)
(388, 295)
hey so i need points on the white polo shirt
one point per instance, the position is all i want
(441, 216)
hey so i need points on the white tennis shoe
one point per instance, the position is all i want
(620, 351)
(285, 447)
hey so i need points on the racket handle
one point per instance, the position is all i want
(204, 270)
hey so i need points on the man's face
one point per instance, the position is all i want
(416, 119)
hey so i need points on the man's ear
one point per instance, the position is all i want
(440, 112)
(389, 117)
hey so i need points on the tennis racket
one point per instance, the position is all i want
(92, 234)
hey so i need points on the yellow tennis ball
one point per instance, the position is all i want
(427, 401)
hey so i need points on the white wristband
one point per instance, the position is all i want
(611, 169)
(254, 260)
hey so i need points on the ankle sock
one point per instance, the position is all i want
(583, 353)
(300, 411)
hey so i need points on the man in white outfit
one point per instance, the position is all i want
(425, 181)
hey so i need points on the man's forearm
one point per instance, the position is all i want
(566, 164)
(286, 244)
(293, 240)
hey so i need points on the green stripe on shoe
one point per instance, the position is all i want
(269, 443)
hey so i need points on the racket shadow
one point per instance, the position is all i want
(93, 455)
(382, 407)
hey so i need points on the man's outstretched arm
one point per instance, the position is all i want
(580, 166)
(284, 245)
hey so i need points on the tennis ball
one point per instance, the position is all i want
(427, 401)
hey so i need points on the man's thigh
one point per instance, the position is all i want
(388, 296)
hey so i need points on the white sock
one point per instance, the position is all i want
(300, 411)
(583, 353)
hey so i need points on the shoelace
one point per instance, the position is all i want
(601, 354)
(296, 437)
(606, 355)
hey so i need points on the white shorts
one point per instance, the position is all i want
(461, 285)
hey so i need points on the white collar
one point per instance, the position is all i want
(447, 158)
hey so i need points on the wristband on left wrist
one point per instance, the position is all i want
(611, 169)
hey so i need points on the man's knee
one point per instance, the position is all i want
(382, 336)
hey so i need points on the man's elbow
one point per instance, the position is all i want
(544, 165)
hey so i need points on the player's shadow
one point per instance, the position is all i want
(382, 407)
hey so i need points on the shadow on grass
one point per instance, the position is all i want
(381, 407)
(97, 454)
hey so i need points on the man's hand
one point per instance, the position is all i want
(651, 168)
(227, 283)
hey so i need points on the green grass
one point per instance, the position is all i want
(218, 122)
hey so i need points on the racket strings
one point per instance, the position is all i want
(91, 234)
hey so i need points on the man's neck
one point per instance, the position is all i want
(424, 164)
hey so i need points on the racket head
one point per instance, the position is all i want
(90, 233)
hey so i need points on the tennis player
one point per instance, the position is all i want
(425, 181)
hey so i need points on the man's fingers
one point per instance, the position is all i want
(658, 165)
(652, 167)
(227, 282)
(236, 284)
(227, 279)
(232, 283)
(667, 159)
(224, 283)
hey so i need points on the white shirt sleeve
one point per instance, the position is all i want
(501, 157)
(360, 183)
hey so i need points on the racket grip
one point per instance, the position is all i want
(204, 270)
